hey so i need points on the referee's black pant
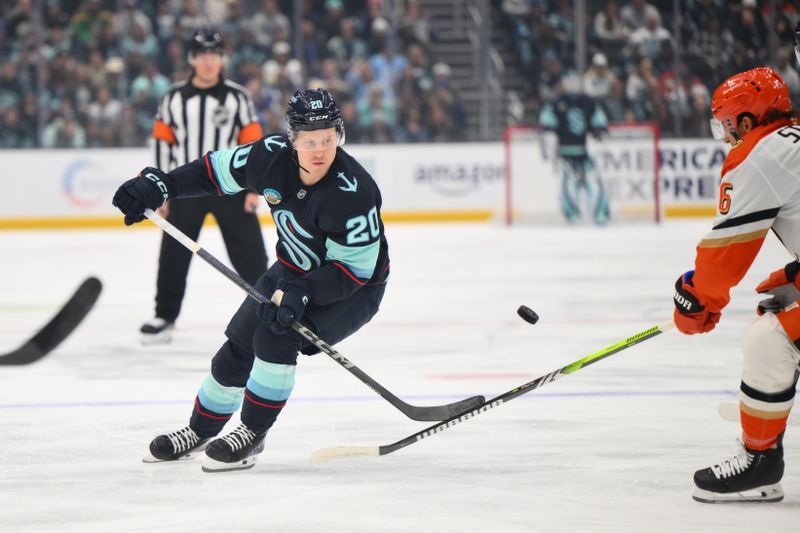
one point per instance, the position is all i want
(242, 235)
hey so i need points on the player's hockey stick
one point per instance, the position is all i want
(422, 413)
(60, 326)
(341, 452)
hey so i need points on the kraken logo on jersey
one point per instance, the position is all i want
(271, 140)
(288, 229)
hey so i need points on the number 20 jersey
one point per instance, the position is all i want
(759, 192)
(330, 233)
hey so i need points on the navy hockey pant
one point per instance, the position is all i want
(252, 348)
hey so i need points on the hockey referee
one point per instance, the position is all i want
(206, 112)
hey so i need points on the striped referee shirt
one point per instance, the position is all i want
(192, 121)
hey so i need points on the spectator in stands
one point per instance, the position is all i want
(412, 114)
(709, 49)
(282, 70)
(334, 14)
(105, 110)
(140, 43)
(313, 49)
(641, 89)
(751, 31)
(64, 132)
(598, 78)
(88, 26)
(331, 79)
(190, 20)
(347, 46)
(616, 104)
(445, 98)
(609, 30)
(13, 134)
(648, 39)
(150, 83)
(10, 86)
(697, 123)
(634, 15)
(130, 15)
(379, 35)
(19, 22)
(267, 22)
(166, 22)
(376, 114)
(784, 66)
(415, 26)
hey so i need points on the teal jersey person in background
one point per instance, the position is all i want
(571, 116)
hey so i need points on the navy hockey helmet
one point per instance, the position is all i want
(206, 40)
(313, 109)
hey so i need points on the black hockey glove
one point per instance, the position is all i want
(290, 304)
(147, 190)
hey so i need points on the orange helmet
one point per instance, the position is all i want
(754, 91)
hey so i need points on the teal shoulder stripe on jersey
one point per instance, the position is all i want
(547, 118)
(221, 164)
(271, 381)
(599, 119)
(218, 398)
(360, 260)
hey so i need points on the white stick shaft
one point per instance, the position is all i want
(178, 235)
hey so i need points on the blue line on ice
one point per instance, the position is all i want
(323, 399)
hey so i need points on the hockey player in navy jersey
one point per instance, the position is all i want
(572, 115)
(331, 272)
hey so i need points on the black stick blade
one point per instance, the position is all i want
(60, 326)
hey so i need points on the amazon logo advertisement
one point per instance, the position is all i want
(458, 179)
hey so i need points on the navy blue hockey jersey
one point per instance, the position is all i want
(330, 233)
(571, 117)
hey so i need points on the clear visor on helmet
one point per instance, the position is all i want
(316, 140)
(797, 52)
(718, 129)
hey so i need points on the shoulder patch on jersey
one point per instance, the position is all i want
(349, 186)
(272, 196)
(274, 140)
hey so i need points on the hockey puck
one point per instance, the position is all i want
(527, 314)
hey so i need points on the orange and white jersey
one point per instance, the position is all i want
(759, 191)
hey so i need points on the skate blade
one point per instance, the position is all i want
(212, 466)
(165, 337)
(765, 494)
(149, 458)
(153, 340)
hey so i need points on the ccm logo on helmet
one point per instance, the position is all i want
(315, 118)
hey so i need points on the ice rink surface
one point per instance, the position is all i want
(611, 448)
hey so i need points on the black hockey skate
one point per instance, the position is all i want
(237, 450)
(752, 476)
(156, 331)
(175, 446)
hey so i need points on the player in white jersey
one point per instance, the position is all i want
(759, 192)
(202, 114)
